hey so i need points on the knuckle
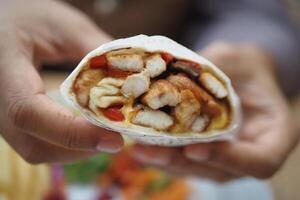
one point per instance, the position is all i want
(18, 112)
(223, 47)
(226, 53)
(252, 49)
(70, 136)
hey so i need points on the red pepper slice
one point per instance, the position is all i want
(98, 62)
(167, 57)
(113, 113)
(190, 63)
(116, 73)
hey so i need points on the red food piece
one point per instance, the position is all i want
(116, 73)
(167, 57)
(113, 113)
(190, 63)
(101, 62)
(98, 62)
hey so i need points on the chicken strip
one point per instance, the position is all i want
(200, 123)
(153, 118)
(188, 110)
(84, 82)
(213, 85)
(126, 62)
(161, 93)
(106, 93)
(182, 82)
(136, 85)
(155, 65)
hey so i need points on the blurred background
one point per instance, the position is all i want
(108, 172)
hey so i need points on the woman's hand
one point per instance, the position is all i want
(33, 32)
(267, 135)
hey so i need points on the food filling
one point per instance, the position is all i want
(154, 90)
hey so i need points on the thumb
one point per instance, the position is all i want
(73, 35)
(84, 41)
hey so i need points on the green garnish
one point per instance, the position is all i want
(161, 183)
(88, 170)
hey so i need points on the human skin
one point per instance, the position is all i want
(267, 135)
(34, 32)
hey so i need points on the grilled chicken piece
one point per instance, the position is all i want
(155, 65)
(212, 108)
(182, 82)
(126, 62)
(161, 93)
(188, 67)
(200, 123)
(106, 93)
(107, 101)
(153, 118)
(213, 85)
(84, 82)
(187, 110)
(136, 85)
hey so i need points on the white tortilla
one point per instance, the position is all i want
(149, 135)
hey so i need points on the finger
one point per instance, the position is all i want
(199, 171)
(156, 155)
(36, 151)
(28, 108)
(231, 57)
(46, 120)
(173, 161)
(221, 54)
(228, 58)
(259, 151)
(242, 157)
(75, 34)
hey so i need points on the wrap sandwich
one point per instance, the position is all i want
(155, 91)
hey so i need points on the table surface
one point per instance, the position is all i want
(285, 183)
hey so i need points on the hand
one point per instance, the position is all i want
(34, 32)
(267, 135)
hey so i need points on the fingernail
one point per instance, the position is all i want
(109, 145)
(149, 158)
(199, 155)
